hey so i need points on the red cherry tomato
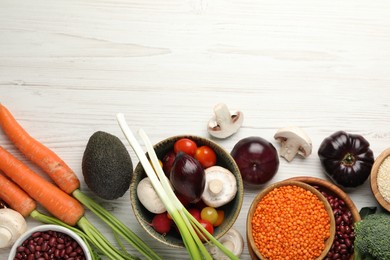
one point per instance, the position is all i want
(208, 226)
(195, 213)
(185, 145)
(206, 156)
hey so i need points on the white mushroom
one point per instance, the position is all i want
(12, 226)
(293, 141)
(149, 197)
(220, 188)
(233, 241)
(224, 123)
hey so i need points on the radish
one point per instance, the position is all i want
(161, 223)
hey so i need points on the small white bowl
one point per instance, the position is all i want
(43, 228)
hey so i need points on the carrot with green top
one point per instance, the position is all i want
(56, 201)
(23, 184)
(65, 178)
(38, 153)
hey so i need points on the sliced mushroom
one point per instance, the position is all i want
(149, 197)
(293, 141)
(220, 188)
(12, 226)
(224, 123)
(233, 241)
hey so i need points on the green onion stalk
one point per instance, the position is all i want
(116, 225)
(188, 226)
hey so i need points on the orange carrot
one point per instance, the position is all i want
(38, 153)
(56, 201)
(16, 198)
(21, 202)
(65, 178)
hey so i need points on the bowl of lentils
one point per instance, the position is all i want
(290, 220)
(345, 213)
(49, 242)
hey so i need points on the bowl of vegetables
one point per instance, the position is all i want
(49, 242)
(204, 178)
(290, 219)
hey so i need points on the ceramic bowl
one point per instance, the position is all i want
(374, 179)
(254, 251)
(46, 228)
(231, 210)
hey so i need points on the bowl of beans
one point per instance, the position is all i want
(345, 213)
(49, 242)
(290, 220)
(380, 179)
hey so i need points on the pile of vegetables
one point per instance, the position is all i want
(175, 184)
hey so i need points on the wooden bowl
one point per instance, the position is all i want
(253, 250)
(374, 176)
(231, 210)
(333, 190)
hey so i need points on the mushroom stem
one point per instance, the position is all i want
(224, 123)
(222, 115)
(215, 186)
(293, 141)
(233, 241)
(288, 151)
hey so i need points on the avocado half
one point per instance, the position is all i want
(106, 165)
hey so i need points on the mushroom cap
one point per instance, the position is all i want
(149, 197)
(294, 141)
(5, 237)
(233, 241)
(224, 123)
(221, 186)
(12, 226)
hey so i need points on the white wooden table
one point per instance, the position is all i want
(67, 68)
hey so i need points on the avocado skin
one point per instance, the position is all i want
(106, 165)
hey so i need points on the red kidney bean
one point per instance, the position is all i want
(49, 245)
(342, 247)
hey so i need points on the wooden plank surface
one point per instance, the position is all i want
(67, 67)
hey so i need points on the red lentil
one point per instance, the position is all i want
(290, 223)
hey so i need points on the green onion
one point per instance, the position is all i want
(116, 225)
(188, 226)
